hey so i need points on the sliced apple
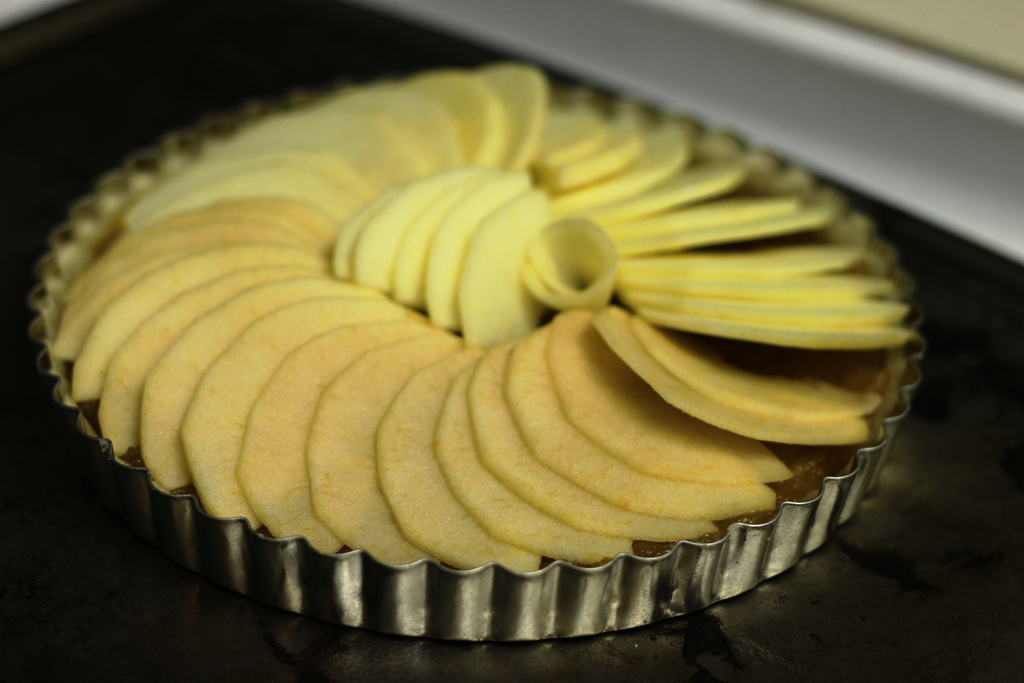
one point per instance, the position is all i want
(820, 289)
(502, 451)
(603, 398)
(573, 129)
(121, 400)
(272, 465)
(692, 186)
(342, 444)
(478, 113)
(570, 264)
(376, 249)
(83, 311)
(755, 265)
(451, 243)
(524, 93)
(214, 426)
(171, 383)
(556, 443)
(666, 148)
(494, 303)
(350, 230)
(502, 514)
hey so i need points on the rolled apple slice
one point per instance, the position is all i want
(451, 243)
(806, 219)
(614, 325)
(83, 311)
(502, 452)
(342, 445)
(122, 315)
(524, 93)
(603, 398)
(622, 148)
(479, 115)
(756, 265)
(667, 146)
(425, 507)
(172, 382)
(319, 179)
(494, 303)
(500, 512)
(573, 129)
(553, 441)
(409, 278)
(820, 289)
(571, 264)
(778, 398)
(214, 427)
(121, 400)
(376, 248)
(272, 465)
(689, 187)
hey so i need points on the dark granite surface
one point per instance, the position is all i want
(924, 584)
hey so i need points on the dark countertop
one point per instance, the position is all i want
(924, 584)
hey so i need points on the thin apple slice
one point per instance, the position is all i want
(869, 337)
(603, 398)
(214, 426)
(494, 303)
(342, 445)
(272, 465)
(614, 326)
(376, 249)
(478, 113)
(83, 311)
(502, 452)
(171, 383)
(451, 243)
(349, 232)
(779, 398)
(123, 314)
(524, 92)
(121, 400)
(424, 506)
(573, 129)
(502, 514)
(409, 278)
(761, 264)
(556, 443)
(823, 289)
(806, 219)
(667, 147)
(692, 186)
(571, 264)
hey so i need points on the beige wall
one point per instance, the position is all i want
(986, 31)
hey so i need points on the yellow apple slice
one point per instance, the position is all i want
(571, 264)
(502, 452)
(614, 326)
(424, 506)
(603, 398)
(342, 445)
(502, 514)
(376, 249)
(723, 212)
(809, 218)
(409, 278)
(667, 146)
(494, 303)
(821, 289)
(171, 383)
(870, 337)
(556, 443)
(214, 426)
(349, 232)
(281, 174)
(523, 91)
(761, 264)
(83, 311)
(779, 398)
(121, 400)
(621, 150)
(272, 465)
(119, 318)
(689, 187)
(451, 243)
(572, 130)
(480, 119)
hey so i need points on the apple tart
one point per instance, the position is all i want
(471, 317)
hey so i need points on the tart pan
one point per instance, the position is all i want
(424, 598)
